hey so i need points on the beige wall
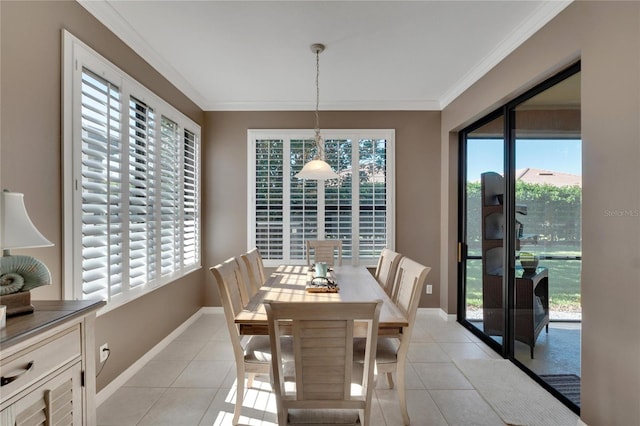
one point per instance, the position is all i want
(606, 36)
(417, 180)
(31, 153)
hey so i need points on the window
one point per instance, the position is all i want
(358, 208)
(132, 183)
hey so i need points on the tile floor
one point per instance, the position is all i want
(192, 382)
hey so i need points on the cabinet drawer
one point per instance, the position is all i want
(36, 361)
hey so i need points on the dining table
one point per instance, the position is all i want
(293, 283)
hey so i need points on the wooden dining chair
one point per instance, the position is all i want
(324, 251)
(322, 384)
(386, 270)
(253, 268)
(391, 354)
(252, 356)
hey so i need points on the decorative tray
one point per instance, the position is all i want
(321, 284)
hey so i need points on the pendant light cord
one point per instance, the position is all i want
(318, 139)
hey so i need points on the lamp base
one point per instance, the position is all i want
(17, 303)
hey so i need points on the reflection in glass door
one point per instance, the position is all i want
(483, 228)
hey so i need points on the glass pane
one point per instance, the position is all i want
(171, 245)
(191, 202)
(102, 204)
(485, 228)
(338, 219)
(142, 199)
(304, 200)
(548, 182)
(373, 197)
(269, 203)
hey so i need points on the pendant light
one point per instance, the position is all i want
(317, 169)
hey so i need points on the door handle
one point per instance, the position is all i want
(6, 380)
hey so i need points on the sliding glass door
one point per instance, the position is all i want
(482, 159)
(548, 184)
(520, 232)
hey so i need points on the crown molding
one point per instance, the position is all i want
(545, 13)
(401, 105)
(118, 25)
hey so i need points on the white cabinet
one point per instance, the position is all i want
(58, 401)
(47, 366)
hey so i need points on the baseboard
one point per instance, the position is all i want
(211, 310)
(439, 312)
(448, 317)
(119, 381)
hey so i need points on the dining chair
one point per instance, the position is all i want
(322, 384)
(386, 269)
(391, 353)
(324, 251)
(253, 268)
(253, 355)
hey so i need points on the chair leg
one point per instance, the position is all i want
(250, 380)
(239, 393)
(402, 396)
(364, 416)
(390, 380)
(283, 419)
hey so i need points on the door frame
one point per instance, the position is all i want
(507, 111)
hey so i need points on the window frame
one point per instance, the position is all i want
(286, 135)
(77, 57)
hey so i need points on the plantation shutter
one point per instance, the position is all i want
(170, 177)
(338, 223)
(285, 212)
(269, 197)
(303, 206)
(131, 183)
(373, 196)
(191, 193)
(101, 187)
(142, 193)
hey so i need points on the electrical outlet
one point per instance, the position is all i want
(429, 289)
(104, 352)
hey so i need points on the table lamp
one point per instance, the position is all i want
(19, 274)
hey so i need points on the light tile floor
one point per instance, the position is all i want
(192, 382)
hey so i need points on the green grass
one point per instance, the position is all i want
(564, 279)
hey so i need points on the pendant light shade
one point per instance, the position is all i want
(317, 169)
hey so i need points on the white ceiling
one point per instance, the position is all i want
(380, 55)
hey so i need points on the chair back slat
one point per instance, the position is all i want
(324, 251)
(255, 270)
(246, 290)
(409, 282)
(386, 270)
(228, 276)
(323, 343)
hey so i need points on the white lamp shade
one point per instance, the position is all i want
(317, 170)
(17, 229)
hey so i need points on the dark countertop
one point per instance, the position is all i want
(48, 314)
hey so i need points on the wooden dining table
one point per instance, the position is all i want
(289, 283)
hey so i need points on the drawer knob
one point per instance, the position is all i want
(9, 379)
